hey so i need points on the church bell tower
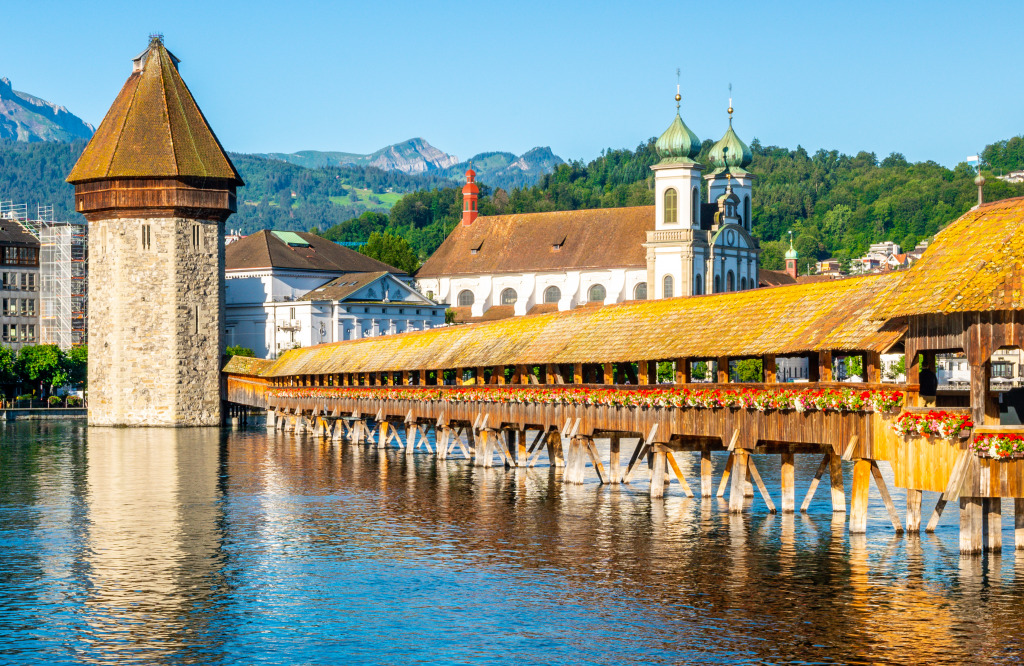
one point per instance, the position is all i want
(156, 187)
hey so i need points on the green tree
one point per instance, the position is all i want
(8, 371)
(391, 249)
(748, 370)
(43, 365)
(239, 350)
(77, 363)
(699, 370)
(854, 366)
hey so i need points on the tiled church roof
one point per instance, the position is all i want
(154, 129)
(265, 249)
(593, 238)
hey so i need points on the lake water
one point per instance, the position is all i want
(130, 546)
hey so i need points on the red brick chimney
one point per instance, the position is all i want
(470, 194)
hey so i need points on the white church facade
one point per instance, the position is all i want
(505, 265)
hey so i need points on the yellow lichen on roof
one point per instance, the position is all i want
(246, 365)
(974, 265)
(820, 316)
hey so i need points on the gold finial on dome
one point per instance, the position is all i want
(678, 96)
(730, 102)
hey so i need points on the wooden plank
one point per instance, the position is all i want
(859, 496)
(752, 469)
(638, 453)
(725, 474)
(706, 469)
(883, 490)
(814, 483)
(851, 448)
(952, 491)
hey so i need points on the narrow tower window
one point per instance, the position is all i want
(730, 282)
(694, 206)
(146, 237)
(747, 222)
(671, 206)
(195, 236)
(668, 286)
(698, 287)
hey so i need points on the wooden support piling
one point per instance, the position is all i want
(756, 476)
(859, 496)
(706, 469)
(788, 480)
(738, 480)
(614, 445)
(992, 514)
(913, 511)
(1018, 523)
(835, 472)
(658, 474)
(972, 526)
(883, 491)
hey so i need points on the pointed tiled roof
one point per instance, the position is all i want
(154, 129)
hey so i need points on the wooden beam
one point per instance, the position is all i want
(992, 514)
(913, 510)
(614, 446)
(825, 366)
(770, 375)
(873, 367)
(981, 377)
(658, 473)
(835, 473)
(788, 482)
(739, 479)
(641, 373)
(752, 470)
(883, 490)
(706, 468)
(671, 459)
(682, 371)
(972, 526)
(723, 369)
(814, 483)
(595, 459)
(577, 373)
(725, 475)
(609, 373)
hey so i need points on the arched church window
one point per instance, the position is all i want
(698, 286)
(508, 296)
(552, 294)
(671, 206)
(465, 298)
(743, 283)
(640, 291)
(668, 286)
(747, 221)
(694, 205)
(718, 284)
(730, 282)
(596, 293)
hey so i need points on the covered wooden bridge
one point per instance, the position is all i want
(517, 389)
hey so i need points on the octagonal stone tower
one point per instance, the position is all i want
(156, 187)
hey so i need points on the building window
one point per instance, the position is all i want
(730, 282)
(718, 284)
(640, 291)
(147, 236)
(596, 293)
(509, 297)
(195, 236)
(667, 285)
(465, 298)
(671, 206)
(1002, 369)
(430, 295)
(694, 206)
(746, 212)
(743, 283)
(31, 332)
(552, 294)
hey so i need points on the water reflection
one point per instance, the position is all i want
(174, 547)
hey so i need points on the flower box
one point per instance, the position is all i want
(999, 446)
(934, 423)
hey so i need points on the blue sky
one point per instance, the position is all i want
(933, 80)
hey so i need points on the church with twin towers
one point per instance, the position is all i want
(686, 244)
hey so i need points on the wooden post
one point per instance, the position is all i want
(972, 527)
(835, 473)
(913, 365)
(992, 514)
(521, 453)
(788, 477)
(706, 484)
(825, 366)
(609, 374)
(641, 373)
(406, 379)
(554, 446)
(1018, 523)
(658, 474)
(873, 367)
(614, 446)
(913, 511)
(723, 369)
(577, 373)
(737, 481)
(981, 376)
(771, 377)
(458, 377)
(859, 499)
(522, 376)
(682, 371)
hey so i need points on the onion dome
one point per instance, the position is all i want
(678, 144)
(791, 252)
(730, 153)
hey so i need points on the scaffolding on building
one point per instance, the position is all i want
(63, 268)
(19, 213)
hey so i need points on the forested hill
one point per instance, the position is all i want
(835, 204)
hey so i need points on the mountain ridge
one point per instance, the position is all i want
(27, 118)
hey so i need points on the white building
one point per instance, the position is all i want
(287, 289)
(505, 265)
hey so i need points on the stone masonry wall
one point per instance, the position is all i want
(155, 322)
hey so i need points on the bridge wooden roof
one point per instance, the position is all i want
(835, 315)
(976, 264)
